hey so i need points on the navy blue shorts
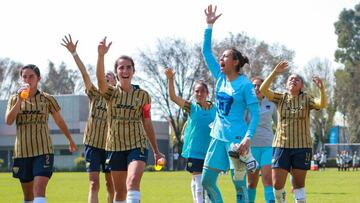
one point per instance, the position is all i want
(292, 158)
(95, 159)
(26, 169)
(194, 165)
(118, 161)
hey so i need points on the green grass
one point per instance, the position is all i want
(330, 186)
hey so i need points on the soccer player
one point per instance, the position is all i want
(261, 145)
(292, 143)
(95, 130)
(197, 132)
(231, 135)
(323, 160)
(130, 127)
(355, 161)
(34, 153)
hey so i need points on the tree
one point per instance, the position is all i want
(348, 53)
(262, 56)
(321, 121)
(59, 81)
(187, 62)
(9, 77)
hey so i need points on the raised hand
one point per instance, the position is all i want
(211, 16)
(316, 79)
(169, 72)
(68, 43)
(102, 47)
(281, 67)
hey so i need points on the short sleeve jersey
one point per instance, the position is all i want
(96, 127)
(125, 113)
(197, 131)
(293, 129)
(32, 130)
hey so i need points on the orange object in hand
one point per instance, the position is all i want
(160, 164)
(25, 93)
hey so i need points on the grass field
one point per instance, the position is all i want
(330, 186)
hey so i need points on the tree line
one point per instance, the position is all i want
(185, 58)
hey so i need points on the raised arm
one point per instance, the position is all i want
(100, 70)
(264, 88)
(63, 127)
(170, 76)
(209, 57)
(321, 102)
(71, 47)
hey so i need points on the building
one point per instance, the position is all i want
(74, 109)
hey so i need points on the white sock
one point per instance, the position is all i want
(133, 196)
(39, 200)
(199, 190)
(193, 186)
(280, 195)
(299, 195)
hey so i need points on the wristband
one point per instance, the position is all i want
(210, 26)
(74, 53)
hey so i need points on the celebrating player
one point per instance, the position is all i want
(230, 133)
(197, 132)
(130, 126)
(292, 143)
(96, 129)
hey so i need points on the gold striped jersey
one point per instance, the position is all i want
(96, 127)
(293, 129)
(125, 113)
(32, 130)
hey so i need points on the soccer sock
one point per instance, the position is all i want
(252, 194)
(199, 190)
(193, 189)
(241, 189)
(299, 195)
(269, 194)
(133, 196)
(280, 195)
(39, 200)
(209, 182)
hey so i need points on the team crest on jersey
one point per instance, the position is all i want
(15, 170)
(189, 164)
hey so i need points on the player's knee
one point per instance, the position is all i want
(94, 185)
(133, 182)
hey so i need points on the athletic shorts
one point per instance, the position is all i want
(119, 160)
(288, 159)
(25, 169)
(194, 165)
(217, 155)
(262, 155)
(95, 159)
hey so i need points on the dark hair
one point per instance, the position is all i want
(32, 67)
(125, 58)
(202, 83)
(237, 55)
(257, 78)
(301, 79)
